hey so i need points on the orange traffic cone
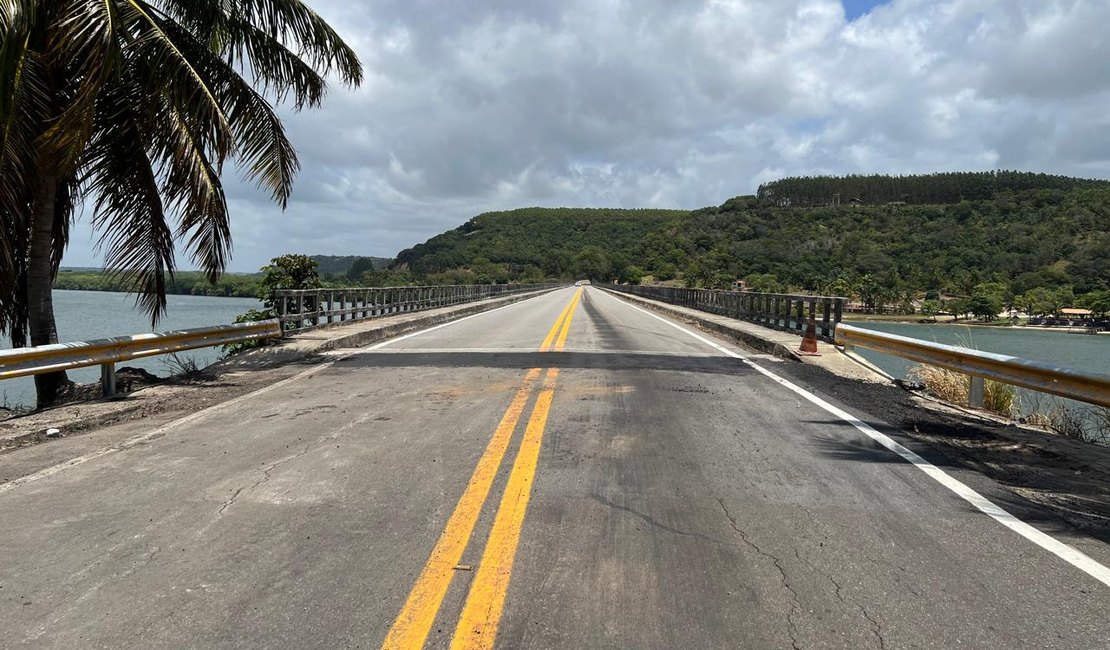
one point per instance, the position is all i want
(809, 341)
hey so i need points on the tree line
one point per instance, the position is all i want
(875, 189)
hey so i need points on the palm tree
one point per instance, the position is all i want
(134, 106)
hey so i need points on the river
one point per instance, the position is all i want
(1079, 351)
(85, 315)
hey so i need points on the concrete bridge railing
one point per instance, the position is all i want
(781, 311)
(301, 309)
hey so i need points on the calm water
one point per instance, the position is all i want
(1080, 351)
(85, 315)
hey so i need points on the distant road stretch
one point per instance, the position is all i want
(565, 472)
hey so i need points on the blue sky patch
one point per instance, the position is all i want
(855, 8)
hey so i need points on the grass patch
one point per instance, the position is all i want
(955, 388)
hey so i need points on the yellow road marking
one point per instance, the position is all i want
(546, 345)
(480, 616)
(566, 323)
(414, 622)
(477, 628)
(412, 625)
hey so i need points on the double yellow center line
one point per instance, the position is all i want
(477, 626)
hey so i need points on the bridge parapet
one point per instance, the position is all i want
(781, 311)
(301, 309)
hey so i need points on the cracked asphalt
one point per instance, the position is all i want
(680, 500)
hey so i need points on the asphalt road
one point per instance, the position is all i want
(565, 472)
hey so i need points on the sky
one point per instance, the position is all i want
(487, 105)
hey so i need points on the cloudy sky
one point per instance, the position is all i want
(483, 105)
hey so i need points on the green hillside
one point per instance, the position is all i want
(533, 243)
(342, 264)
(1025, 234)
(1053, 239)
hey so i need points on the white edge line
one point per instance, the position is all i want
(1071, 555)
(193, 417)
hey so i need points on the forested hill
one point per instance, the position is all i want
(1023, 240)
(1016, 241)
(343, 264)
(878, 189)
(533, 243)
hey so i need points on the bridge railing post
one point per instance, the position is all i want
(108, 379)
(975, 393)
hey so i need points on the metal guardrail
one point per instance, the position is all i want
(1090, 387)
(299, 309)
(781, 311)
(22, 362)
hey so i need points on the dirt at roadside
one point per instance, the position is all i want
(1069, 478)
(142, 396)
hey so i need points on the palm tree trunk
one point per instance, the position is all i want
(40, 283)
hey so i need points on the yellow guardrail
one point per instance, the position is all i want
(22, 362)
(1090, 387)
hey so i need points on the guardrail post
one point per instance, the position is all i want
(108, 379)
(826, 308)
(975, 395)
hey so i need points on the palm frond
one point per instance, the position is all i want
(129, 214)
(194, 192)
(280, 71)
(262, 149)
(138, 104)
(307, 31)
(288, 22)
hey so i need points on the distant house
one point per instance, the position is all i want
(1073, 312)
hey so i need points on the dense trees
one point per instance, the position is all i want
(878, 189)
(537, 242)
(1050, 243)
(192, 283)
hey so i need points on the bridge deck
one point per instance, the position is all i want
(568, 471)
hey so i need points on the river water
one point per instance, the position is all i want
(1079, 351)
(85, 315)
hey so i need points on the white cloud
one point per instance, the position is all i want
(495, 104)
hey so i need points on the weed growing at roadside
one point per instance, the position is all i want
(182, 367)
(999, 398)
(955, 387)
(248, 317)
(947, 385)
